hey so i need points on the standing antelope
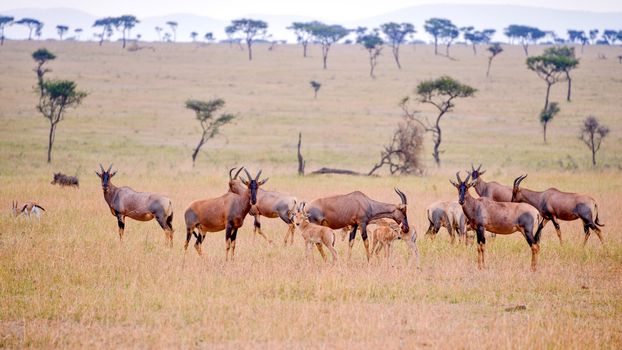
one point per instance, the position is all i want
(384, 234)
(141, 206)
(554, 204)
(499, 217)
(449, 215)
(314, 234)
(271, 204)
(493, 190)
(26, 209)
(226, 212)
(357, 209)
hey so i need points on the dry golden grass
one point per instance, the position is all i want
(67, 281)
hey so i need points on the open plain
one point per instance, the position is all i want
(66, 280)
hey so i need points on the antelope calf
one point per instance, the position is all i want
(383, 236)
(554, 204)
(141, 206)
(315, 234)
(26, 209)
(65, 180)
(500, 218)
(449, 215)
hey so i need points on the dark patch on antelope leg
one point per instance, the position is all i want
(353, 232)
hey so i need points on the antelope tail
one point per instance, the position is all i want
(596, 221)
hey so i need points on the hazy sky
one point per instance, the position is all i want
(328, 9)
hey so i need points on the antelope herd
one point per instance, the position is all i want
(499, 209)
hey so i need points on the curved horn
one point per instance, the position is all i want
(258, 174)
(458, 176)
(401, 194)
(472, 168)
(248, 176)
(467, 178)
(110, 167)
(101, 167)
(231, 171)
(237, 173)
(519, 180)
(479, 167)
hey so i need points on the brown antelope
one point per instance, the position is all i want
(314, 234)
(271, 204)
(384, 234)
(141, 206)
(447, 214)
(493, 190)
(26, 209)
(226, 212)
(499, 217)
(554, 205)
(356, 209)
(65, 180)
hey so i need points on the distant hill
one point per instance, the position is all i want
(480, 16)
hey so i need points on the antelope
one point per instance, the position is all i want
(449, 215)
(493, 190)
(314, 234)
(26, 209)
(384, 234)
(554, 205)
(357, 209)
(500, 218)
(226, 212)
(65, 180)
(141, 206)
(271, 204)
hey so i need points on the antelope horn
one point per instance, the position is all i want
(467, 178)
(479, 167)
(472, 168)
(110, 167)
(248, 176)
(237, 173)
(231, 171)
(401, 194)
(258, 174)
(519, 180)
(101, 167)
(458, 176)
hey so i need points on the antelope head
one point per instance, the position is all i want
(516, 194)
(476, 173)
(399, 215)
(253, 184)
(300, 215)
(462, 186)
(105, 176)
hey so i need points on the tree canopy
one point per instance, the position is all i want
(396, 34)
(4, 21)
(31, 24)
(443, 29)
(327, 35)
(525, 34)
(304, 33)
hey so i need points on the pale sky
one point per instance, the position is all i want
(343, 10)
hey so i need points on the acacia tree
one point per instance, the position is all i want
(547, 115)
(396, 34)
(209, 37)
(209, 123)
(304, 34)
(549, 68)
(569, 62)
(593, 35)
(78, 31)
(41, 56)
(316, 87)
(173, 26)
(124, 24)
(477, 37)
(4, 21)
(443, 29)
(494, 50)
(327, 35)
(106, 23)
(31, 24)
(158, 30)
(525, 34)
(39, 30)
(61, 30)
(250, 29)
(592, 134)
(440, 93)
(56, 96)
(372, 42)
(578, 36)
(193, 36)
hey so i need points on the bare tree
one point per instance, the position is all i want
(441, 94)
(403, 154)
(301, 162)
(173, 26)
(209, 123)
(592, 134)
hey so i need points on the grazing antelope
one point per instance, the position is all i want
(356, 209)
(226, 212)
(493, 190)
(65, 180)
(314, 234)
(384, 234)
(449, 215)
(27, 209)
(141, 206)
(499, 217)
(554, 205)
(271, 204)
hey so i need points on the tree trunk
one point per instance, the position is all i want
(29, 33)
(304, 49)
(447, 50)
(101, 40)
(51, 141)
(435, 45)
(544, 126)
(525, 47)
(546, 99)
(489, 63)
(250, 51)
(474, 50)
(325, 54)
(124, 38)
(301, 161)
(396, 54)
(569, 85)
(437, 144)
(197, 149)
(593, 150)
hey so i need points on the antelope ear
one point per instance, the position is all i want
(113, 174)
(454, 184)
(263, 181)
(482, 172)
(98, 174)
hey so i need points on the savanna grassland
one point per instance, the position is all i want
(66, 280)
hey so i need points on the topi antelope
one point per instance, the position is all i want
(65, 180)
(499, 217)
(493, 190)
(270, 204)
(27, 209)
(447, 214)
(556, 205)
(226, 212)
(314, 234)
(141, 206)
(383, 235)
(356, 209)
